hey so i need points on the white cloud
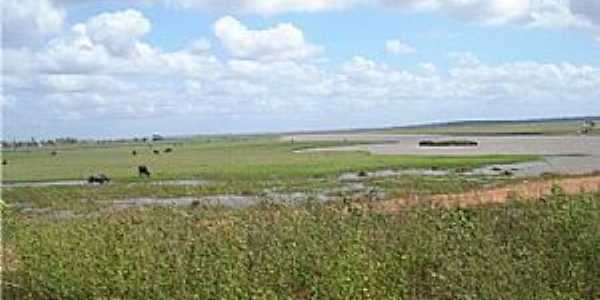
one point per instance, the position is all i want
(399, 48)
(282, 42)
(87, 49)
(200, 46)
(118, 32)
(72, 53)
(71, 84)
(29, 22)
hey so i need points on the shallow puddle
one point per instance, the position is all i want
(45, 183)
(224, 200)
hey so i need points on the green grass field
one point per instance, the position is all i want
(253, 160)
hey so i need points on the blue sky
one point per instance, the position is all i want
(363, 31)
(122, 68)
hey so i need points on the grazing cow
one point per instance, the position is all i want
(156, 152)
(134, 153)
(53, 153)
(4, 162)
(143, 171)
(168, 150)
(98, 178)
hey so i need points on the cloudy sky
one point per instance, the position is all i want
(101, 68)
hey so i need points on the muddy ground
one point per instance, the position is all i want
(561, 154)
(529, 190)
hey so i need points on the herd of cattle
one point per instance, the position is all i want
(167, 150)
(143, 171)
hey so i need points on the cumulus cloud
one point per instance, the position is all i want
(29, 22)
(118, 32)
(282, 42)
(87, 48)
(398, 47)
(200, 46)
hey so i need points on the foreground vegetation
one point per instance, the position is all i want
(535, 250)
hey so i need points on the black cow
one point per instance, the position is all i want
(53, 153)
(134, 153)
(168, 150)
(156, 152)
(98, 178)
(4, 162)
(143, 171)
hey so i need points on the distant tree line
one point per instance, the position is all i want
(40, 143)
(33, 143)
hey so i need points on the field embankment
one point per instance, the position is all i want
(536, 189)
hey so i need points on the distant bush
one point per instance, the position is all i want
(450, 143)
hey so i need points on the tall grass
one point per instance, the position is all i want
(522, 250)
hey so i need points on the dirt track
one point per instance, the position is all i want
(527, 190)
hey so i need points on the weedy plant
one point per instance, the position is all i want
(522, 250)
